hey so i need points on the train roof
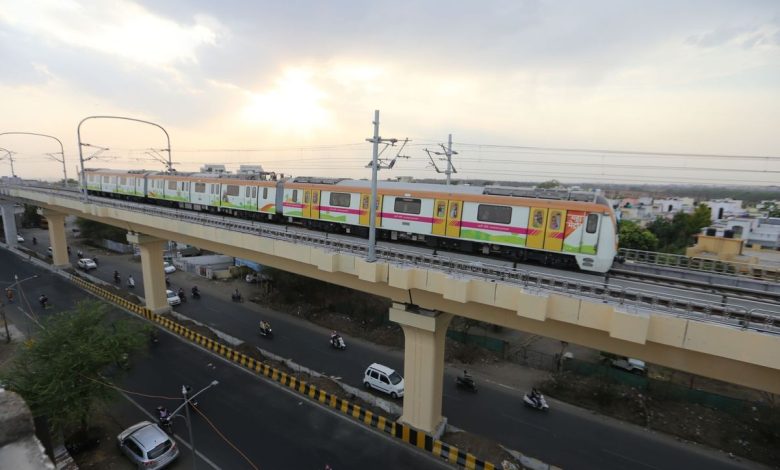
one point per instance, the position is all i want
(511, 191)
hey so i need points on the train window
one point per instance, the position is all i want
(200, 187)
(315, 197)
(405, 205)
(496, 214)
(340, 199)
(247, 192)
(122, 180)
(232, 190)
(538, 219)
(365, 201)
(440, 209)
(172, 184)
(295, 195)
(555, 220)
(592, 224)
(454, 210)
(105, 179)
(254, 192)
(306, 197)
(265, 193)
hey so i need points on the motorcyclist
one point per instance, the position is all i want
(195, 291)
(116, 277)
(536, 396)
(43, 300)
(236, 295)
(181, 294)
(130, 282)
(163, 414)
(265, 326)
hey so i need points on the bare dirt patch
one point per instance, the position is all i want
(752, 432)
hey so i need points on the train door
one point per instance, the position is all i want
(307, 204)
(365, 210)
(379, 201)
(439, 226)
(315, 203)
(553, 239)
(536, 224)
(454, 214)
(590, 237)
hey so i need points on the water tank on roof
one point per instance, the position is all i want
(711, 232)
(728, 234)
(212, 168)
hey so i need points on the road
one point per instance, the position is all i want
(272, 426)
(568, 436)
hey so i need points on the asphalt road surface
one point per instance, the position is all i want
(271, 426)
(567, 436)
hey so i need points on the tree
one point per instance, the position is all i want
(57, 372)
(31, 217)
(677, 234)
(634, 237)
(95, 231)
(549, 184)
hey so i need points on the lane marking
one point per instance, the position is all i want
(180, 439)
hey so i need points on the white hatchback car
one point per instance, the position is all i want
(86, 264)
(168, 268)
(173, 297)
(19, 238)
(147, 445)
(385, 379)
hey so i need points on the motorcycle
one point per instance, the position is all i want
(466, 381)
(182, 296)
(236, 297)
(265, 329)
(195, 293)
(164, 419)
(538, 404)
(337, 342)
(117, 278)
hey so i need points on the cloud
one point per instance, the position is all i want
(119, 28)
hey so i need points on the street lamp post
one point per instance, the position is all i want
(10, 156)
(81, 155)
(188, 400)
(61, 152)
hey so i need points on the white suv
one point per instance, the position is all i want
(385, 379)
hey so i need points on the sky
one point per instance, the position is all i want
(606, 91)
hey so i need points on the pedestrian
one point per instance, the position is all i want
(130, 282)
(9, 293)
(79, 254)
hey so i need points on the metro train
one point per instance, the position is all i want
(555, 227)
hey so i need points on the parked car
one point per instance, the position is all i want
(86, 264)
(635, 366)
(147, 445)
(384, 379)
(19, 238)
(173, 297)
(168, 267)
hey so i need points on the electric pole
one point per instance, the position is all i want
(376, 164)
(447, 153)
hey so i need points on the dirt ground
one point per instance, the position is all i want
(751, 433)
(104, 453)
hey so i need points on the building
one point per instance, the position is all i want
(724, 208)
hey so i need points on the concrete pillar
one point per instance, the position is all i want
(57, 237)
(9, 223)
(152, 250)
(424, 333)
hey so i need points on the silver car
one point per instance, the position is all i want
(148, 446)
